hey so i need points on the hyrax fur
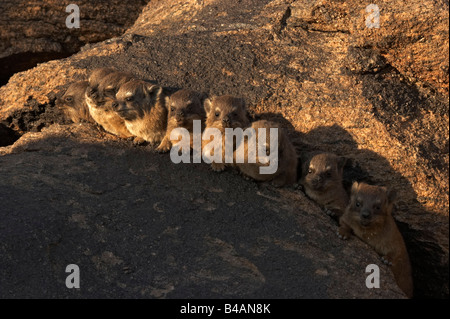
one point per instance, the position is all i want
(369, 216)
(224, 112)
(103, 86)
(73, 103)
(184, 106)
(142, 106)
(322, 178)
(286, 173)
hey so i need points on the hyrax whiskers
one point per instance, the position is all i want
(224, 112)
(322, 178)
(142, 106)
(103, 85)
(285, 159)
(184, 106)
(73, 103)
(369, 217)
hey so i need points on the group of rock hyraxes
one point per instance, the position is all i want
(129, 107)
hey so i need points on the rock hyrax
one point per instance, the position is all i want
(224, 112)
(142, 106)
(286, 159)
(184, 107)
(322, 178)
(73, 103)
(103, 85)
(369, 216)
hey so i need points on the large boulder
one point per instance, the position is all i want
(376, 95)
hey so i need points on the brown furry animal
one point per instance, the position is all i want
(73, 103)
(184, 107)
(142, 106)
(369, 216)
(224, 112)
(286, 172)
(322, 176)
(103, 85)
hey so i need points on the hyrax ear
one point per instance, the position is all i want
(241, 103)
(391, 195)
(355, 187)
(152, 89)
(167, 102)
(207, 105)
(341, 162)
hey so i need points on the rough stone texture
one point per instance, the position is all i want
(138, 226)
(35, 31)
(378, 96)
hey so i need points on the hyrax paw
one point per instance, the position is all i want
(341, 235)
(329, 212)
(217, 167)
(163, 148)
(386, 261)
(138, 141)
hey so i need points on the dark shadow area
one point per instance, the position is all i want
(139, 226)
(7, 135)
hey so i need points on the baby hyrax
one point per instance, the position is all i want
(142, 106)
(285, 160)
(322, 177)
(74, 104)
(224, 112)
(103, 85)
(184, 107)
(369, 216)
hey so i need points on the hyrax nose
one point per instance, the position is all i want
(115, 105)
(226, 120)
(365, 214)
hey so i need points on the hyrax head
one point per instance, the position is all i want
(110, 84)
(95, 78)
(323, 171)
(226, 112)
(184, 106)
(370, 204)
(263, 124)
(74, 95)
(135, 97)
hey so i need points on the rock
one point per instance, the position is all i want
(36, 32)
(74, 201)
(313, 66)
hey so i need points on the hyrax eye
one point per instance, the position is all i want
(172, 109)
(129, 98)
(310, 171)
(357, 204)
(329, 174)
(68, 99)
(217, 114)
